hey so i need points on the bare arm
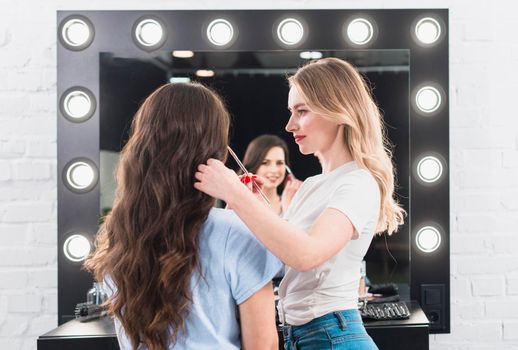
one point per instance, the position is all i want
(296, 248)
(257, 315)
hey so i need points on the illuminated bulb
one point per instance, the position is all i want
(428, 30)
(179, 80)
(428, 239)
(428, 99)
(77, 104)
(429, 169)
(220, 32)
(149, 32)
(183, 54)
(360, 31)
(205, 73)
(80, 175)
(76, 32)
(76, 247)
(290, 31)
(310, 55)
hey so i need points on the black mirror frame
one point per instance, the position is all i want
(79, 212)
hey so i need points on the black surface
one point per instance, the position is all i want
(400, 337)
(95, 334)
(411, 333)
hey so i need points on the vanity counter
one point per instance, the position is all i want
(409, 334)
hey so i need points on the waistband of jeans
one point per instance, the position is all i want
(352, 315)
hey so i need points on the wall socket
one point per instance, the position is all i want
(433, 302)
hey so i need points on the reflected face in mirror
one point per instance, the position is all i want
(312, 132)
(273, 168)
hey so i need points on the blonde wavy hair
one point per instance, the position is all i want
(334, 89)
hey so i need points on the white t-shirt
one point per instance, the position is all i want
(332, 286)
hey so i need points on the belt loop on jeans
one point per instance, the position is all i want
(287, 332)
(341, 320)
(280, 312)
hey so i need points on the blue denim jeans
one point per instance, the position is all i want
(337, 330)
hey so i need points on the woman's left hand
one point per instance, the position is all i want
(292, 186)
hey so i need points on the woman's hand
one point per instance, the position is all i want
(292, 186)
(253, 182)
(218, 181)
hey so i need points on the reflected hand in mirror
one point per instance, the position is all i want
(292, 186)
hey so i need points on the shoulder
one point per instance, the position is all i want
(364, 178)
(358, 183)
(357, 177)
(221, 217)
(226, 220)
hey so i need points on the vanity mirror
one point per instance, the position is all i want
(109, 61)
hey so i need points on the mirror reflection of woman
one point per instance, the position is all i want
(333, 217)
(267, 156)
(181, 274)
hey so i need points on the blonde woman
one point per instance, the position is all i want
(333, 217)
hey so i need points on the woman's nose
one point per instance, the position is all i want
(274, 168)
(291, 126)
(271, 168)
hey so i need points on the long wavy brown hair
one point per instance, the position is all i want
(149, 243)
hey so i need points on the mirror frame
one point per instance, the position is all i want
(78, 212)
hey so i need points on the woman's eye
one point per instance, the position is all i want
(301, 111)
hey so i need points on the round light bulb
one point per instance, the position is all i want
(220, 32)
(429, 169)
(360, 31)
(428, 99)
(76, 247)
(76, 32)
(428, 239)
(80, 175)
(428, 30)
(149, 32)
(77, 104)
(290, 31)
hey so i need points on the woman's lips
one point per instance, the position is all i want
(298, 138)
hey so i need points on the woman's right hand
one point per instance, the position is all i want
(216, 180)
(255, 183)
(220, 182)
(292, 186)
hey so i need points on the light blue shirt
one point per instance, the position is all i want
(235, 265)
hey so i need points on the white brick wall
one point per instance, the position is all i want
(484, 162)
